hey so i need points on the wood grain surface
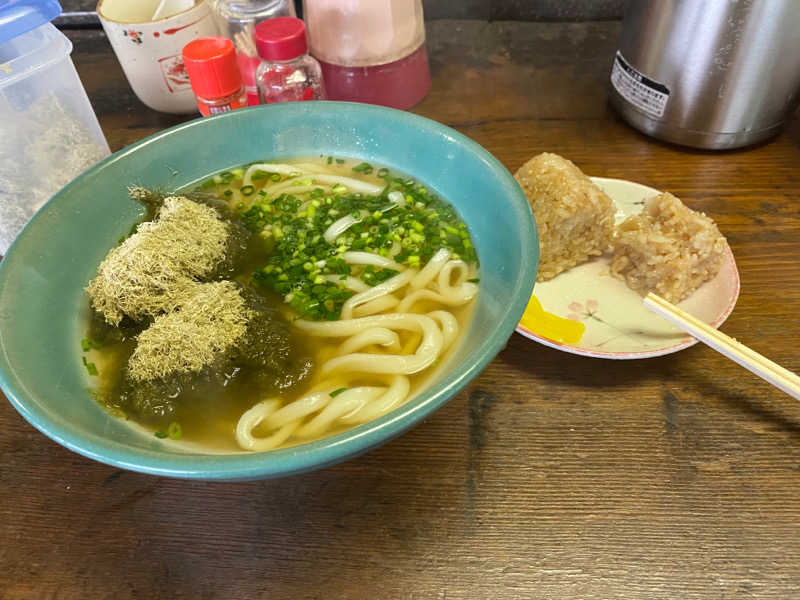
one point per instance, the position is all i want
(550, 477)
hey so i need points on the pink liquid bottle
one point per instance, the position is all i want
(370, 50)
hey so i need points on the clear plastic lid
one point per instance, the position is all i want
(363, 32)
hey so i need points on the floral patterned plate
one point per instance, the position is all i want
(618, 326)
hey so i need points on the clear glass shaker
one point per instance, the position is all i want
(237, 20)
(287, 72)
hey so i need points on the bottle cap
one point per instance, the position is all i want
(211, 65)
(281, 38)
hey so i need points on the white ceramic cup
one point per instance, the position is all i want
(150, 51)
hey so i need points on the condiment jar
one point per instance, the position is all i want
(287, 73)
(370, 50)
(237, 20)
(211, 65)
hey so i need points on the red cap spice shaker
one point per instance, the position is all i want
(216, 82)
(288, 73)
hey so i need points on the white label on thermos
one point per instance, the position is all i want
(645, 94)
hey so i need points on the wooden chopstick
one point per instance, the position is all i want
(244, 41)
(751, 360)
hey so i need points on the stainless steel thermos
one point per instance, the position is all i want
(708, 73)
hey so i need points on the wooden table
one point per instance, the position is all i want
(551, 476)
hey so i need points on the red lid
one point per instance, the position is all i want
(211, 65)
(281, 38)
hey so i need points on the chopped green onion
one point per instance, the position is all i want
(228, 192)
(330, 159)
(174, 431)
(91, 368)
(88, 343)
(335, 393)
(383, 173)
(160, 434)
(475, 280)
(260, 175)
(339, 161)
(275, 177)
(302, 261)
(364, 168)
(247, 190)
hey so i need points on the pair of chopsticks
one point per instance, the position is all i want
(781, 378)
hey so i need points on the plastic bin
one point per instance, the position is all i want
(48, 129)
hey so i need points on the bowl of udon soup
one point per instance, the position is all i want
(263, 292)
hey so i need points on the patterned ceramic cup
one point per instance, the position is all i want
(150, 51)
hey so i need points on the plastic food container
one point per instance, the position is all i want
(48, 129)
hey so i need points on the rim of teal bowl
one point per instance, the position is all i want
(325, 451)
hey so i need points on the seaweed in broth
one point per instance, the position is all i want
(270, 359)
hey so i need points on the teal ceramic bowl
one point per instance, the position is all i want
(44, 273)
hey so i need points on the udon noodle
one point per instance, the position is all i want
(386, 369)
(376, 276)
(370, 364)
